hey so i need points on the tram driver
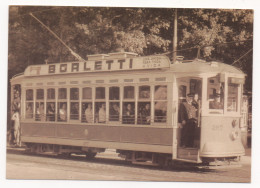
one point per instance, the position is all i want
(188, 119)
(216, 104)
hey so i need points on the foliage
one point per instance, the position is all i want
(146, 31)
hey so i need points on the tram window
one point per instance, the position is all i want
(144, 92)
(74, 110)
(50, 111)
(128, 113)
(114, 93)
(29, 110)
(51, 93)
(129, 92)
(39, 94)
(87, 93)
(62, 109)
(160, 103)
(39, 113)
(74, 94)
(160, 93)
(160, 111)
(29, 94)
(182, 93)
(114, 111)
(144, 113)
(100, 112)
(232, 96)
(216, 93)
(100, 93)
(62, 93)
(87, 112)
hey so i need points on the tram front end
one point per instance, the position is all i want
(220, 139)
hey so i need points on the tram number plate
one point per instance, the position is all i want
(217, 127)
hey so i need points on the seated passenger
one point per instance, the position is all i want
(63, 112)
(41, 112)
(29, 111)
(114, 113)
(51, 112)
(129, 115)
(102, 114)
(216, 104)
(74, 114)
(146, 115)
(89, 114)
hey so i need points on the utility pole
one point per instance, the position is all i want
(175, 36)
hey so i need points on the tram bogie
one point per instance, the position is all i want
(140, 106)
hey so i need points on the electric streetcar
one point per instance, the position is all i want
(131, 104)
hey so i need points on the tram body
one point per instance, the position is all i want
(120, 80)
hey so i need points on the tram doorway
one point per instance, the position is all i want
(189, 108)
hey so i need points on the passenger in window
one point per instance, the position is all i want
(89, 113)
(74, 111)
(146, 114)
(51, 112)
(40, 112)
(216, 104)
(188, 119)
(114, 112)
(63, 112)
(160, 111)
(29, 111)
(102, 114)
(129, 115)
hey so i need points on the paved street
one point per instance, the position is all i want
(108, 166)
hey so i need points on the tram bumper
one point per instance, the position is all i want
(221, 149)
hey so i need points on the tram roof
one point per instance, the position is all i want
(145, 63)
(201, 66)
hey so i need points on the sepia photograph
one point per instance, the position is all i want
(138, 94)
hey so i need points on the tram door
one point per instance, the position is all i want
(189, 105)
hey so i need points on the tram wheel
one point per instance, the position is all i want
(90, 155)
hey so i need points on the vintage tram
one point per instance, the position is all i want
(130, 103)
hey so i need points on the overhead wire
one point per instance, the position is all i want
(56, 36)
(22, 15)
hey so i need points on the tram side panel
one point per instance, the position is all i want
(220, 137)
(149, 139)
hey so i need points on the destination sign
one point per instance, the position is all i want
(106, 64)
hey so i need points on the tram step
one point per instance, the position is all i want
(187, 153)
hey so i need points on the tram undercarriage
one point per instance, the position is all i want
(135, 157)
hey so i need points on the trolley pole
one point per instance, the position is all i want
(175, 37)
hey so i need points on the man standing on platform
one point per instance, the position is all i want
(188, 119)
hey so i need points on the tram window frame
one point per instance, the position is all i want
(144, 102)
(40, 114)
(163, 117)
(85, 102)
(51, 99)
(74, 104)
(234, 106)
(100, 103)
(60, 102)
(129, 115)
(216, 87)
(29, 112)
(114, 103)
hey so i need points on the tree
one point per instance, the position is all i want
(146, 31)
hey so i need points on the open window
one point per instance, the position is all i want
(216, 87)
